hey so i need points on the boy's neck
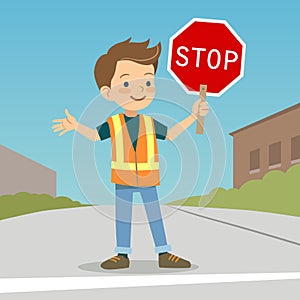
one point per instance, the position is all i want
(131, 113)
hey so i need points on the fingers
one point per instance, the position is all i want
(203, 104)
(58, 129)
(61, 120)
(62, 125)
(57, 120)
(201, 101)
(203, 109)
(65, 123)
(63, 132)
(56, 126)
(197, 104)
(67, 113)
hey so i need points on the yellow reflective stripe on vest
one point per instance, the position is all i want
(118, 138)
(120, 164)
(150, 138)
(132, 166)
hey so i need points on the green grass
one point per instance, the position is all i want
(277, 192)
(25, 203)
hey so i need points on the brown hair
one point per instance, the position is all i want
(137, 52)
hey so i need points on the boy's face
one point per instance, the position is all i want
(132, 86)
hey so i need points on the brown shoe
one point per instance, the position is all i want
(116, 262)
(168, 260)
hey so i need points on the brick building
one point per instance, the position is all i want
(21, 174)
(272, 143)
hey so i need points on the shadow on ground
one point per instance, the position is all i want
(136, 267)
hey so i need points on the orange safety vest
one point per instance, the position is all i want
(129, 167)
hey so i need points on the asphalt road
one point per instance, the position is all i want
(72, 242)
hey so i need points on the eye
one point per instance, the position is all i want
(126, 83)
(148, 83)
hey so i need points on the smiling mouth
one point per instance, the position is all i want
(137, 99)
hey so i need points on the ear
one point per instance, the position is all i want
(105, 92)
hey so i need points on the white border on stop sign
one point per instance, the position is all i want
(211, 21)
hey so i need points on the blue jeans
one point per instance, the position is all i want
(124, 197)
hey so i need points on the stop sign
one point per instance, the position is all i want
(206, 52)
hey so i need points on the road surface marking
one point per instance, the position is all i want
(240, 227)
(22, 285)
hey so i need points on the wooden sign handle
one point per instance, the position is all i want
(200, 120)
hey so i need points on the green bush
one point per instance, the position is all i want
(25, 203)
(277, 192)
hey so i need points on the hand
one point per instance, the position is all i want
(200, 108)
(64, 125)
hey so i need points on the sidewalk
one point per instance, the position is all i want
(70, 243)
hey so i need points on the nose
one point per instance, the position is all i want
(141, 88)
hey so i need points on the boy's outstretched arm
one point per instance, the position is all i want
(200, 108)
(70, 123)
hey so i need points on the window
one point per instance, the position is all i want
(295, 147)
(254, 161)
(275, 155)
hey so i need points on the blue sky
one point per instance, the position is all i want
(48, 51)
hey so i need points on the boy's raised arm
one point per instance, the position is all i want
(200, 108)
(70, 123)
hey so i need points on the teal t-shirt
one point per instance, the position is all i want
(132, 124)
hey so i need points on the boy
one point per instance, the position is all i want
(125, 75)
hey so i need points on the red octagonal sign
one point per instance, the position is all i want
(206, 52)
